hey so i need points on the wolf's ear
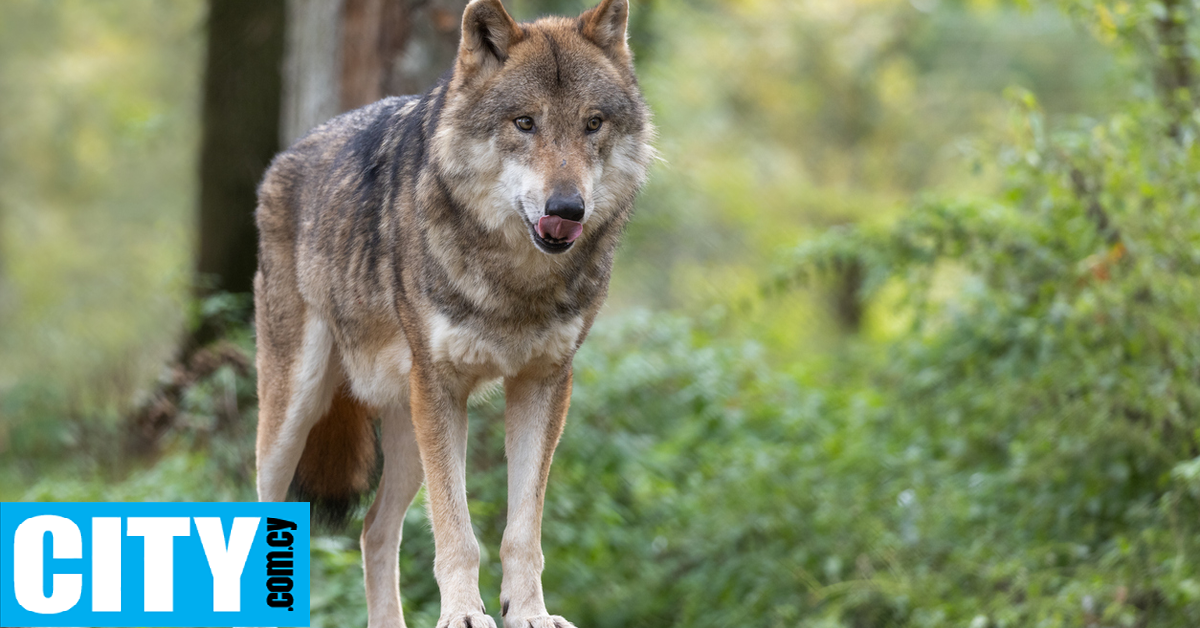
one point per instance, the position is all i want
(487, 33)
(605, 25)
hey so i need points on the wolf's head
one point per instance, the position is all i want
(544, 135)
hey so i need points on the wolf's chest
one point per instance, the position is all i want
(501, 350)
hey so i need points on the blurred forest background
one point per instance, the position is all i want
(904, 332)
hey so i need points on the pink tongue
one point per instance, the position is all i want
(559, 229)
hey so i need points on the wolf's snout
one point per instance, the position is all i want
(566, 206)
(563, 222)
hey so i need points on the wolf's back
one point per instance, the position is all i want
(339, 161)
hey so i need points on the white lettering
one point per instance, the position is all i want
(226, 563)
(65, 542)
(160, 533)
(106, 564)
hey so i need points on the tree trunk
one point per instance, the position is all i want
(242, 88)
(344, 54)
(312, 66)
(420, 41)
(395, 47)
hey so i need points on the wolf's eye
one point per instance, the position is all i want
(593, 125)
(525, 123)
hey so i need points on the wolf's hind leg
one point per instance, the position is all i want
(284, 422)
(402, 477)
(535, 412)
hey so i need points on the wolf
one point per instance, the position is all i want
(415, 249)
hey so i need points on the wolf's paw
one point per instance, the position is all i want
(468, 620)
(542, 621)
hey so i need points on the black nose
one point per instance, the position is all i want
(566, 206)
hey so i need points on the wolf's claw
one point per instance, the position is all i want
(468, 620)
(543, 621)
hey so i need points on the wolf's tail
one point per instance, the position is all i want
(339, 464)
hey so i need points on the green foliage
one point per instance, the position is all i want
(780, 119)
(1047, 378)
(97, 152)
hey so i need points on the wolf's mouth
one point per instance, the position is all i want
(559, 229)
(555, 235)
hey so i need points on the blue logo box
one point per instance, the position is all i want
(146, 564)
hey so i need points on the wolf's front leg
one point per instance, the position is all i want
(535, 410)
(439, 412)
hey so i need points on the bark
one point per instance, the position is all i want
(427, 47)
(343, 54)
(311, 70)
(396, 47)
